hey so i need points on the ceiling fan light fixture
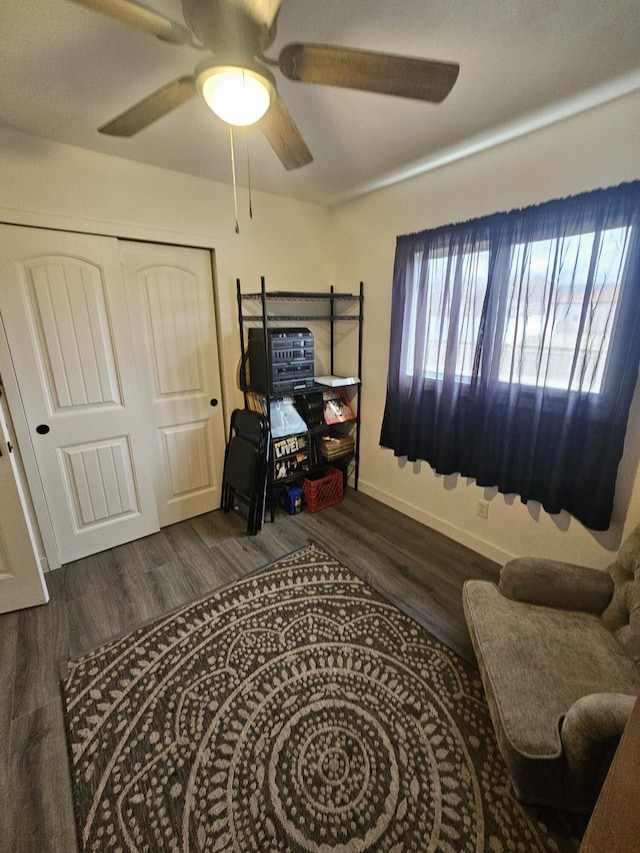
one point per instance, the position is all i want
(237, 94)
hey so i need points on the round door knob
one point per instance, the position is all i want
(213, 402)
(42, 429)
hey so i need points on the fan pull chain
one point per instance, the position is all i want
(246, 139)
(233, 175)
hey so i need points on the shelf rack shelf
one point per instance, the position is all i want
(289, 296)
(270, 302)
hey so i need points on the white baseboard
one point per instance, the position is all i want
(480, 546)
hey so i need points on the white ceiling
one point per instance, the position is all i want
(65, 70)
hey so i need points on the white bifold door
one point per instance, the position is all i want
(170, 293)
(113, 370)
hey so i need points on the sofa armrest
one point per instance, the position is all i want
(590, 733)
(555, 584)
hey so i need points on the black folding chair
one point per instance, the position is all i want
(246, 467)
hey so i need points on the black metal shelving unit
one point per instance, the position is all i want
(268, 316)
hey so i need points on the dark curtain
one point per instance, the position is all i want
(515, 343)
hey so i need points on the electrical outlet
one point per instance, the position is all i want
(483, 509)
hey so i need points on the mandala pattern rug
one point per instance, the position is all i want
(296, 710)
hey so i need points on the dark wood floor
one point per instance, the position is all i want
(102, 596)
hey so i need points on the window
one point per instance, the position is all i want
(548, 317)
(515, 341)
(558, 328)
(441, 317)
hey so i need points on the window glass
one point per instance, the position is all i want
(560, 311)
(447, 309)
(561, 301)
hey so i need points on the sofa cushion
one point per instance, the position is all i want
(537, 661)
(556, 584)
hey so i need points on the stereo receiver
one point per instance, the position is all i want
(285, 365)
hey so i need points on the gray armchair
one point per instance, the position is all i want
(558, 648)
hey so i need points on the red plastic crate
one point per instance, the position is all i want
(322, 489)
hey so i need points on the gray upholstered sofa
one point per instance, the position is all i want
(558, 648)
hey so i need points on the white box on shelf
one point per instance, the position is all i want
(336, 381)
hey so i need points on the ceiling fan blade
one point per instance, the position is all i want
(151, 108)
(264, 12)
(385, 73)
(137, 15)
(284, 137)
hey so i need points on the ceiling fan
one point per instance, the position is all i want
(236, 33)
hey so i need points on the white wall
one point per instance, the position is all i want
(57, 186)
(598, 148)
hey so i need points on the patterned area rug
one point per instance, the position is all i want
(294, 711)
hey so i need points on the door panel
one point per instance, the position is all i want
(171, 290)
(171, 305)
(100, 478)
(63, 300)
(67, 311)
(188, 457)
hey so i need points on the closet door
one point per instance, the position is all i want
(21, 580)
(170, 296)
(65, 312)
